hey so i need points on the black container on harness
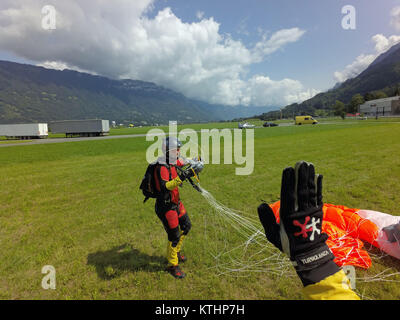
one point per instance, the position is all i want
(148, 185)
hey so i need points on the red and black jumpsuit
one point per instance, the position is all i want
(169, 207)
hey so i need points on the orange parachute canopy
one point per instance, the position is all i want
(346, 231)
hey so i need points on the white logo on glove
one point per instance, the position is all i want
(313, 225)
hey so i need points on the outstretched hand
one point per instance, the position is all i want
(299, 233)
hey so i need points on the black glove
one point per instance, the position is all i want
(185, 174)
(299, 233)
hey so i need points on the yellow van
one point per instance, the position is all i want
(305, 120)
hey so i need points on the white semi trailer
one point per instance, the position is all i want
(82, 128)
(24, 131)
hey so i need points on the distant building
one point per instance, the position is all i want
(352, 115)
(381, 107)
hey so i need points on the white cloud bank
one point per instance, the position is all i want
(382, 44)
(395, 18)
(118, 39)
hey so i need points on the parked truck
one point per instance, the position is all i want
(81, 128)
(24, 131)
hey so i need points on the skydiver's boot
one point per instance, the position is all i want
(181, 256)
(172, 256)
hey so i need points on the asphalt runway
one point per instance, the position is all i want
(60, 140)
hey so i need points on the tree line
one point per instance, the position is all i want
(338, 108)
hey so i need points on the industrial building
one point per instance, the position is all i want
(381, 107)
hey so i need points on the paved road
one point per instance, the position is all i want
(59, 140)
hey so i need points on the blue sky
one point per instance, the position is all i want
(325, 48)
(163, 41)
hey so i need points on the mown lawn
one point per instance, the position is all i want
(77, 206)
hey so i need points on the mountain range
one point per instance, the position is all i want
(35, 94)
(382, 75)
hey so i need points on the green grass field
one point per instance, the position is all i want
(77, 206)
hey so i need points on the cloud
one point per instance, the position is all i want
(382, 44)
(242, 27)
(119, 39)
(277, 41)
(261, 88)
(59, 65)
(395, 18)
(355, 68)
(200, 15)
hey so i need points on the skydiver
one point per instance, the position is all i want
(168, 207)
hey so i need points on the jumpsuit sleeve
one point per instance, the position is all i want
(165, 183)
(334, 287)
